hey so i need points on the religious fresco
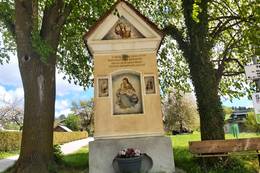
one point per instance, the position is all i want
(103, 87)
(123, 30)
(149, 84)
(127, 95)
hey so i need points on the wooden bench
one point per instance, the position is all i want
(218, 148)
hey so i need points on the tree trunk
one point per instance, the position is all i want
(208, 100)
(39, 100)
(38, 79)
(39, 96)
(197, 54)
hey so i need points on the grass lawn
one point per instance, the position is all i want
(78, 162)
(75, 163)
(72, 163)
(8, 154)
(184, 160)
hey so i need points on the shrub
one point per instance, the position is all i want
(10, 141)
(58, 155)
(73, 122)
(180, 112)
(251, 123)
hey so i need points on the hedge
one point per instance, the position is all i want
(63, 137)
(11, 141)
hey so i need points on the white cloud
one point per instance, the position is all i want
(10, 74)
(10, 78)
(62, 107)
(62, 104)
(63, 87)
(62, 112)
(11, 95)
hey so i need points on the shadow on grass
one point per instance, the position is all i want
(73, 163)
(235, 164)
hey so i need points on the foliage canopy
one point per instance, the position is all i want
(234, 38)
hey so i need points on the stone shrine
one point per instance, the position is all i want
(127, 112)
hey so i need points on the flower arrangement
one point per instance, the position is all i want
(129, 153)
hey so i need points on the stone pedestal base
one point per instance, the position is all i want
(159, 149)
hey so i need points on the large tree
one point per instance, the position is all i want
(85, 110)
(11, 113)
(180, 112)
(45, 34)
(216, 38)
(214, 33)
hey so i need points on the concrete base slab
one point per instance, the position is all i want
(158, 148)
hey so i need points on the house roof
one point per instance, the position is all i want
(102, 18)
(65, 128)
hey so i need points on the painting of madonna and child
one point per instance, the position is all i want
(127, 95)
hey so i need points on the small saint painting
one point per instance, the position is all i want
(127, 97)
(149, 85)
(103, 89)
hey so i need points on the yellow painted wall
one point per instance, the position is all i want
(148, 123)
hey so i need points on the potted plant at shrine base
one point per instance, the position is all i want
(129, 160)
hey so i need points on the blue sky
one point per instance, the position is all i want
(11, 88)
(238, 102)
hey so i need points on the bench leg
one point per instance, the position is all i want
(258, 158)
(204, 165)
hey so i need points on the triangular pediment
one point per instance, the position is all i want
(122, 28)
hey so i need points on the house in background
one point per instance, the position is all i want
(61, 128)
(238, 117)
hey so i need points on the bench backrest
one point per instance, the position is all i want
(224, 146)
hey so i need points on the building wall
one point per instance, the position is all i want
(147, 123)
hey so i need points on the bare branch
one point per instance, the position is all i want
(10, 111)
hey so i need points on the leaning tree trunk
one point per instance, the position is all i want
(39, 102)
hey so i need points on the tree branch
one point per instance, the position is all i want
(222, 27)
(236, 60)
(225, 58)
(6, 16)
(54, 18)
(229, 74)
(66, 12)
(176, 34)
(50, 18)
(224, 17)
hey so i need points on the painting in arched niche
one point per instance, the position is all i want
(127, 93)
